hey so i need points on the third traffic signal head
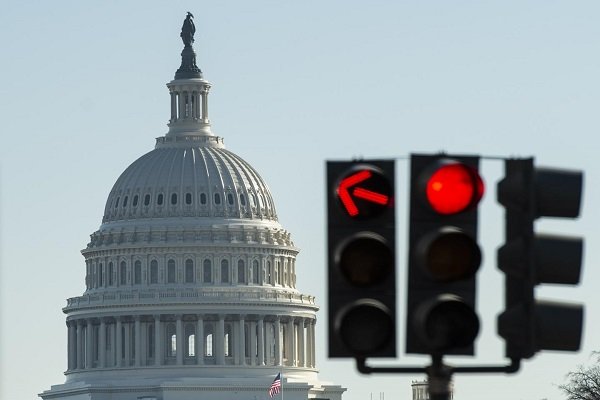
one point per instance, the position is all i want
(443, 254)
(528, 259)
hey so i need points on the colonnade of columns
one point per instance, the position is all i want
(189, 103)
(190, 339)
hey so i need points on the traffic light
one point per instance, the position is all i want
(361, 258)
(443, 254)
(527, 259)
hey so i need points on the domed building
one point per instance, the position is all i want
(190, 279)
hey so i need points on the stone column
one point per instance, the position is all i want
(173, 106)
(127, 340)
(158, 353)
(253, 339)
(313, 341)
(261, 341)
(242, 341)
(102, 343)
(278, 340)
(118, 343)
(205, 105)
(79, 344)
(71, 346)
(138, 341)
(88, 344)
(179, 340)
(200, 340)
(301, 344)
(291, 343)
(219, 343)
(181, 113)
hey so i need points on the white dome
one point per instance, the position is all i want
(189, 178)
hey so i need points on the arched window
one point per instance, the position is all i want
(171, 271)
(174, 198)
(110, 273)
(135, 200)
(125, 201)
(207, 272)
(217, 198)
(137, 273)
(269, 276)
(228, 340)
(190, 340)
(230, 199)
(255, 275)
(123, 273)
(171, 340)
(208, 340)
(189, 271)
(224, 271)
(242, 199)
(241, 272)
(202, 198)
(147, 200)
(153, 271)
(159, 199)
(276, 272)
(188, 198)
(117, 203)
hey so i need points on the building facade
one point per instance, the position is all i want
(190, 279)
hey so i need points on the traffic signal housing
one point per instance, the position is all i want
(361, 238)
(443, 254)
(528, 259)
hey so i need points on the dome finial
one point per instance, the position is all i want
(188, 68)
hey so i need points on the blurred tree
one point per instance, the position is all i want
(584, 383)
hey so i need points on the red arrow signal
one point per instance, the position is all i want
(347, 195)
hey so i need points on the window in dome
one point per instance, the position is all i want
(189, 271)
(100, 275)
(123, 273)
(135, 200)
(110, 274)
(137, 273)
(207, 272)
(117, 203)
(269, 276)
(230, 198)
(125, 201)
(171, 271)
(190, 339)
(153, 271)
(228, 340)
(159, 199)
(217, 198)
(202, 198)
(241, 272)
(224, 271)
(242, 199)
(188, 198)
(174, 198)
(147, 200)
(255, 275)
(171, 340)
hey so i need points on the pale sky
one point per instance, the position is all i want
(82, 95)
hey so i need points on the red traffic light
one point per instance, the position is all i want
(364, 192)
(452, 187)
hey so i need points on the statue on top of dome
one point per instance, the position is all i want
(187, 30)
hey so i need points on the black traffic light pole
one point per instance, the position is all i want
(438, 373)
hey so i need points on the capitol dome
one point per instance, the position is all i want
(190, 280)
(195, 177)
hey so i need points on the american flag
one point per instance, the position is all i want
(275, 386)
